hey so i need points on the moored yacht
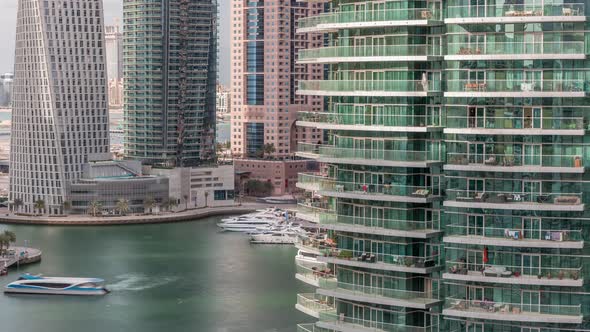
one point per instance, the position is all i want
(284, 235)
(30, 284)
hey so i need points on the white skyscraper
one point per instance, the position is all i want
(60, 114)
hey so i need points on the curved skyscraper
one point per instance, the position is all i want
(60, 117)
(170, 72)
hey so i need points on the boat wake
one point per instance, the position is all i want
(137, 282)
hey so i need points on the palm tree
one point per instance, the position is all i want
(149, 203)
(94, 208)
(10, 238)
(40, 205)
(17, 204)
(185, 202)
(171, 203)
(122, 206)
(206, 198)
(66, 206)
(3, 241)
(268, 149)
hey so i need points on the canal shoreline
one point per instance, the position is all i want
(166, 217)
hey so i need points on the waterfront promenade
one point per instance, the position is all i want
(21, 256)
(163, 217)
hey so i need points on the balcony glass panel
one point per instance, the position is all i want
(503, 9)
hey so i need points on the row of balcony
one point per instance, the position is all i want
(382, 192)
(461, 14)
(502, 125)
(514, 200)
(367, 18)
(528, 312)
(455, 51)
(364, 156)
(519, 87)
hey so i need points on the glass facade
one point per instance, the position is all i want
(455, 190)
(170, 72)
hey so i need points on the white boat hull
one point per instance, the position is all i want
(55, 292)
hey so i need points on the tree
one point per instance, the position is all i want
(66, 206)
(122, 206)
(149, 203)
(17, 203)
(40, 206)
(172, 203)
(94, 208)
(6, 239)
(185, 202)
(206, 198)
(268, 149)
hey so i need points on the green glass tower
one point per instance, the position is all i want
(170, 72)
(454, 185)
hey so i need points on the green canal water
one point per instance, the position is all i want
(165, 278)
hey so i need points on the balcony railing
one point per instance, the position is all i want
(516, 122)
(508, 197)
(314, 273)
(311, 328)
(517, 85)
(315, 302)
(343, 17)
(515, 233)
(515, 10)
(509, 160)
(331, 184)
(511, 48)
(379, 223)
(370, 257)
(376, 119)
(371, 86)
(330, 151)
(351, 323)
(370, 51)
(513, 308)
(377, 291)
(498, 270)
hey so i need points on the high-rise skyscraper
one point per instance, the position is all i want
(114, 52)
(60, 116)
(455, 191)
(170, 74)
(264, 79)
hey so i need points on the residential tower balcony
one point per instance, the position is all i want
(564, 88)
(516, 50)
(379, 295)
(370, 88)
(517, 312)
(515, 13)
(311, 327)
(313, 304)
(370, 122)
(504, 200)
(459, 270)
(380, 226)
(498, 162)
(373, 53)
(514, 237)
(368, 156)
(313, 275)
(515, 125)
(340, 322)
(331, 187)
(369, 19)
(380, 261)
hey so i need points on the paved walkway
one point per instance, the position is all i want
(164, 217)
(23, 255)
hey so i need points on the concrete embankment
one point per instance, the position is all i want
(167, 217)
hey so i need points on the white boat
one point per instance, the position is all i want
(250, 222)
(30, 284)
(287, 235)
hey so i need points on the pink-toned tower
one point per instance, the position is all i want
(264, 80)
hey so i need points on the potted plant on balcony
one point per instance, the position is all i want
(539, 276)
(574, 275)
(549, 276)
(560, 275)
(345, 254)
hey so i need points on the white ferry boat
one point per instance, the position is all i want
(30, 284)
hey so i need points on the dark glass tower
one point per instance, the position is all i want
(170, 71)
